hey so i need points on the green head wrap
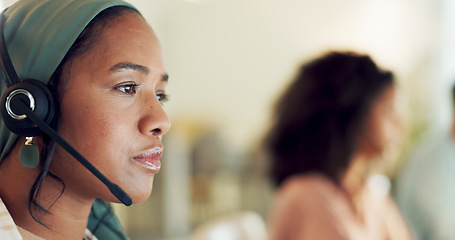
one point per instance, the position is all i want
(38, 34)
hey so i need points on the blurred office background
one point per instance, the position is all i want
(229, 60)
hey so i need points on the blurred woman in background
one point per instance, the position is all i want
(330, 124)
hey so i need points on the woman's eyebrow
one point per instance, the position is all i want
(135, 67)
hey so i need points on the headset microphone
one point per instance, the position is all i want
(27, 108)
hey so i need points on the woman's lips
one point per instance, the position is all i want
(150, 159)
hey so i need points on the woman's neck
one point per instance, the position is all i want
(355, 176)
(67, 215)
(353, 184)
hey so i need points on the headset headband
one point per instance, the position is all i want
(10, 75)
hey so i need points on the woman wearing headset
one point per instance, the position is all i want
(335, 118)
(102, 63)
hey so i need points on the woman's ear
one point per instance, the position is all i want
(367, 140)
(365, 146)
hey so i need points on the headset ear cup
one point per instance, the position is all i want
(27, 90)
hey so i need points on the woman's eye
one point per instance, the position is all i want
(129, 89)
(162, 97)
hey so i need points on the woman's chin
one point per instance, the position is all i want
(140, 194)
(138, 190)
(141, 198)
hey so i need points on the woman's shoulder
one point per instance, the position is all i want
(309, 188)
(308, 183)
(8, 229)
(305, 205)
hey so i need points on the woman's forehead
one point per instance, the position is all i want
(127, 43)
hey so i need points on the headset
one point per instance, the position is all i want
(28, 107)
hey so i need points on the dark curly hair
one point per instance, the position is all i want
(320, 116)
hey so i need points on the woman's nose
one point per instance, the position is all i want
(155, 120)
